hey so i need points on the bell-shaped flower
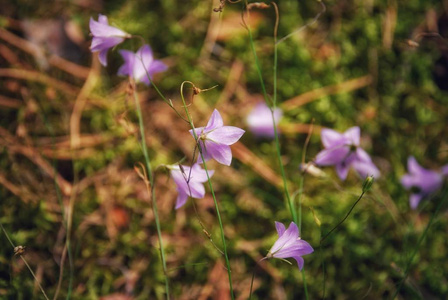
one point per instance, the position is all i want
(189, 182)
(259, 120)
(105, 37)
(420, 181)
(289, 244)
(141, 64)
(343, 151)
(215, 139)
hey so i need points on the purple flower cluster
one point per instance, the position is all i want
(421, 182)
(343, 151)
(141, 66)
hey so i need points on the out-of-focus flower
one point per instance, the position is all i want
(189, 182)
(216, 138)
(420, 181)
(289, 244)
(105, 37)
(259, 120)
(343, 151)
(141, 64)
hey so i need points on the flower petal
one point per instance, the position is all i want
(354, 134)
(342, 170)
(128, 66)
(332, 156)
(102, 29)
(181, 200)
(226, 135)
(366, 168)
(215, 121)
(280, 228)
(414, 200)
(331, 138)
(219, 152)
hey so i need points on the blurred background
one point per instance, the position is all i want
(69, 144)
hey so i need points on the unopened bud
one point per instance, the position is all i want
(367, 184)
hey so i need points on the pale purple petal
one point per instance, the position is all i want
(288, 237)
(362, 155)
(297, 247)
(181, 199)
(220, 153)
(101, 29)
(366, 168)
(332, 156)
(226, 135)
(157, 66)
(127, 67)
(354, 135)
(207, 156)
(342, 170)
(103, 19)
(413, 166)
(103, 57)
(445, 170)
(300, 262)
(104, 43)
(331, 138)
(280, 228)
(407, 181)
(414, 200)
(215, 121)
(196, 189)
(198, 174)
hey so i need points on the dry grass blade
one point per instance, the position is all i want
(40, 77)
(310, 96)
(54, 60)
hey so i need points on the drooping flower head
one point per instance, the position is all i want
(420, 181)
(105, 37)
(215, 139)
(259, 120)
(189, 182)
(289, 244)
(140, 64)
(343, 151)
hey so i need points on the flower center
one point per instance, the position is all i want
(353, 148)
(415, 190)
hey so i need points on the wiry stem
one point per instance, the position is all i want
(218, 214)
(26, 263)
(153, 196)
(417, 246)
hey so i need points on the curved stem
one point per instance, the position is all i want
(342, 221)
(218, 214)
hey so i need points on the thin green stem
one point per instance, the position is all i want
(343, 220)
(153, 196)
(218, 214)
(417, 246)
(24, 260)
(289, 200)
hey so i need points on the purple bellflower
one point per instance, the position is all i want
(343, 151)
(216, 138)
(105, 37)
(289, 244)
(259, 120)
(420, 181)
(189, 182)
(140, 65)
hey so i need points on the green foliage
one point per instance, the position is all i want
(401, 113)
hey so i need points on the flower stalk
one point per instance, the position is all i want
(201, 153)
